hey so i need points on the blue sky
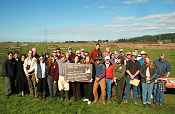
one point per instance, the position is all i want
(60, 20)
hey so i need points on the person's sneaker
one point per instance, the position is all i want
(125, 101)
(144, 103)
(94, 102)
(22, 93)
(104, 102)
(135, 102)
(89, 102)
(160, 104)
(149, 103)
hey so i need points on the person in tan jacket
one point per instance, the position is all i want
(29, 66)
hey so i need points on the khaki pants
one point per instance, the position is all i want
(32, 84)
(62, 84)
(102, 84)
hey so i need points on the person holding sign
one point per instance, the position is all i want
(99, 80)
(132, 78)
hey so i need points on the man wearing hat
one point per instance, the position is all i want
(143, 56)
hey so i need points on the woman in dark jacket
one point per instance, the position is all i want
(52, 78)
(20, 75)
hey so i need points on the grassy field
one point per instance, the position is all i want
(29, 105)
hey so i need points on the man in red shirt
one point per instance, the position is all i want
(96, 53)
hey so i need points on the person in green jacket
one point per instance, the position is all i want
(119, 74)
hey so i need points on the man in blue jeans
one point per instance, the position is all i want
(132, 72)
(147, 73)
(162, 69)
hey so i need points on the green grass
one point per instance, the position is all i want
(28, 105)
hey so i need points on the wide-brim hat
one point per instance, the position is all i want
(129, 53)
(143, 53)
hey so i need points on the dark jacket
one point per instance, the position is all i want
(9, 68)
(162, 67)
(19, 72)
(20, 75)
(153, 74)
(54, 71)
(133, 67)
(39, 72)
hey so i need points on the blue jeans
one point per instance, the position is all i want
(147, 89)
(158, 95)
(127, 91)
(108, 87)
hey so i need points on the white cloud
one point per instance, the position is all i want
(134, 1)
(120, 27)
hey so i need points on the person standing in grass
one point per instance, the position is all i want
(87, 86)
(162, 69)
(9, 72)
(41, 72)
(109, 76)
(52, 78)
(132, 74)
(119, 78)
(99, 80)
(75, 85)
(29, 67)
(63, 85)
(147, 73)
(20, 75)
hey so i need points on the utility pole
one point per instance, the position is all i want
(45, 44)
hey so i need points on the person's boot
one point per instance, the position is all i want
(95, 99)
(103, 100)
(31, 92)
(61, 96)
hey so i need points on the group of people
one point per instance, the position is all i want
(119, 75)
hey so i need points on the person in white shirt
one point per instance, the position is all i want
(29, 67)
(41, 72)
